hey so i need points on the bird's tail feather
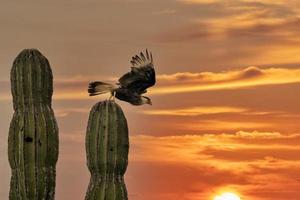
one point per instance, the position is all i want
(96, 88)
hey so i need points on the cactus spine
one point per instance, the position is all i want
(33, 133)
(107, 147)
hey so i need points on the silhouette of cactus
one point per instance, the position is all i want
(107, 147)
(33, 133)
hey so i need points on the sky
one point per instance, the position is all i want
(225, 114)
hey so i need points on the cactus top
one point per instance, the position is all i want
(31, 79)
(107, 141)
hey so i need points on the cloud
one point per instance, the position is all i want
(262, 135)
(236, 79)
(272, 21)
(195, 111)
(200, 166)
(212, 110)
(213, 119)
(277, 28)
(226, 125)
(192, 146)
(249, 72)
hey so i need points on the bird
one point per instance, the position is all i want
(132, 86)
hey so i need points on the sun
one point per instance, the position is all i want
(227, 196)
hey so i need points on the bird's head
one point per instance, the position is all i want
(146, 100)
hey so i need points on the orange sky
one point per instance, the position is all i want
(225, 114)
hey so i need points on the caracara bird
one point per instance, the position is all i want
(133, 84)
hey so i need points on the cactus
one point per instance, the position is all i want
(33, 133)
(107, 147)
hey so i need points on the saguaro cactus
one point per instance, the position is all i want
(107, 147)
(33, 134)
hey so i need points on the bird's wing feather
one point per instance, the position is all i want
(142, 74)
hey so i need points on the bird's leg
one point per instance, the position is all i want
(114, 95)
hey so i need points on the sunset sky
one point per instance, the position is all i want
(226, 107)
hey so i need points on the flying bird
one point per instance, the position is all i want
(132, 86)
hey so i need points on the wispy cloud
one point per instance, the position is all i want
(237, 79)
(244, 19)
(192, 146)
(211, 158)
(226, 125)
(209, 77)
(195, 111)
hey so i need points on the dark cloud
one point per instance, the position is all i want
(251, 72)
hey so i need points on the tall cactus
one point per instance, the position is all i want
(107, 147)
(33, 133)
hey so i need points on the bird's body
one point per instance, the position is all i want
(127, 95)
(131, 85)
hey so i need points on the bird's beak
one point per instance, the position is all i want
(150, 103)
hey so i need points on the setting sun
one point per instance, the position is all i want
(227, 196)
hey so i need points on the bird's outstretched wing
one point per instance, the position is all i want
(142, 74)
